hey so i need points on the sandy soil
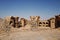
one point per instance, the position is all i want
(49, 34)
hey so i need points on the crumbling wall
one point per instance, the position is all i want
(57, 20)
(16, 22)
(5, 25)
(52, 23)
(34, 22)
(43, 23)
(23, 22)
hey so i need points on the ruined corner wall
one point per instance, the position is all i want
(57, 21)
(52, 23)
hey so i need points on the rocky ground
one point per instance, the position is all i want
(47, 34)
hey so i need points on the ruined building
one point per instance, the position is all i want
(52, 22)
(57, 21)
(14, 20)
(23, 22)
(44, 23)
(34, 21)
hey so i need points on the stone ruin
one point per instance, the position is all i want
(34, 21)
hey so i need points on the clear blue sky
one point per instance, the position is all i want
(25, 8)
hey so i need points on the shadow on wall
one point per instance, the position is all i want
(57, 21)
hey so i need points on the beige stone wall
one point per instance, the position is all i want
(35, 19)
(16, 21)
(22, 20)
(7, 19)
(44, 23)
(52, 22)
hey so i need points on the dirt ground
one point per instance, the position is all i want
(49, 34)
